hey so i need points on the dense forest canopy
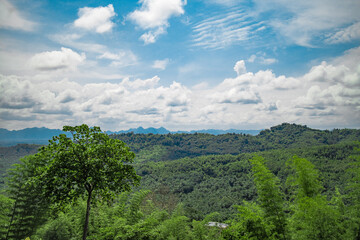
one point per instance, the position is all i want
(189, 180)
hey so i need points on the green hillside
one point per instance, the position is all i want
(216, 182)
(151, 147)
(189, 180)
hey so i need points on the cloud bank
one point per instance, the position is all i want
(328, 94)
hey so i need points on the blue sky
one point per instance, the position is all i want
(183, 65)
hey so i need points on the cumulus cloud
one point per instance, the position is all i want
(153, 15)
(66, 59)
(96, 19)
(15, 93)
(238, 95)
(11, 18)
(152, 36)
(239, 67)
(342, 88)
(160, 64)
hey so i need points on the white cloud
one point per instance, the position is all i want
(66, 59)
(139, 83)
(152, 36)
(252, 58)
(154, 15)
(238, 95)
(239, 67)
(161, 64)
(334, 89)
(221, 31)
(120, 59)
(74, 40)
(267, 61)
(347, 34)
(96, 19)
(11, 18)
(228, 3)
(261, 58)
(306, 21)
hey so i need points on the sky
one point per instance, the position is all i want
(179, 64)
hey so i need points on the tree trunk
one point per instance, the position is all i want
(86, 224)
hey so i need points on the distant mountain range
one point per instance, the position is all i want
(42, 135)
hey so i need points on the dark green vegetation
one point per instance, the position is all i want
(89, 165)
(151, 147)
(289, 182)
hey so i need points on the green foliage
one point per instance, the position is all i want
(354, 194)
(248, 224)
(6, 204)
(202, 231)
(161, 147)
(270, 197)
(313, 217)
(215, 183)
(116, 220)
(29, 208)
(304, 177)
(90, 163)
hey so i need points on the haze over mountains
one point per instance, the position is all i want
(42, 135)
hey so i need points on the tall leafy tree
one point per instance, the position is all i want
(270, 197)
(304, 178)
(87, 164)
(29, 207)
(313, 217)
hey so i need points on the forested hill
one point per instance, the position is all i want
(161, 147)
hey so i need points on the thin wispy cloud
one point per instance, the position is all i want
(120, 59)
(262, 59)
(224, 30)
(306, 22)
(344, 35)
